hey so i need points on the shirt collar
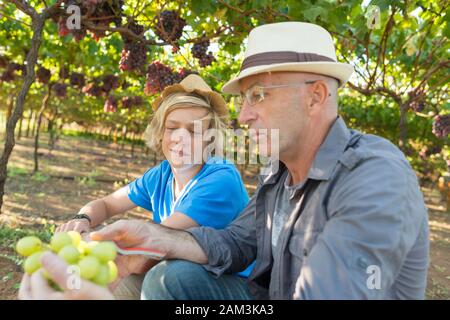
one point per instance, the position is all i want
(329, 152)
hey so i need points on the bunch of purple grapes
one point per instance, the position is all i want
(10, 72)
(426, 151)
(63, 28)
(77, 79)
(134, 53)
(3, 61)
(130, 102)
(110, 82)
(169, 26)
(135, 28)
(43, 75)
(127, 102)
(110, 104)
(8, 76)
(199, 51)
(159, 76)
(64, 72)
(92, 90)
(60, 90)
(138, 101)
(134, 56)
(417, 104)
(98, 12)
(441, 125)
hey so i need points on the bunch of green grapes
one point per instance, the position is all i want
(95, 260)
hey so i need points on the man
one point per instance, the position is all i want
(342, 217)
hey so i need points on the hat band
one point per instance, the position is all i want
(267, 58)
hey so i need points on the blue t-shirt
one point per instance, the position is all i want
(213, 198)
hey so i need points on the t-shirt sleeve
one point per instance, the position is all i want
(141, 189)
(216, 199)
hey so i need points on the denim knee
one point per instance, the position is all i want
(172, 280)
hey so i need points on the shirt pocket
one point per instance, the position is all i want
(300, 246)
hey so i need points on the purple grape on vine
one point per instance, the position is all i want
(77, 79)
(159, 76)
(3, 61)
(8, 76)
(110, 104)
(169, 26)
(134, 56)
(110, 82)
(60, 90)
(64, 73)
(441, 125)
(134, 53)
(199, 51)
(92, 90)
(43, 75)
(127, 102)
(138, 101)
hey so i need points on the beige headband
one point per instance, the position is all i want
(183, 98)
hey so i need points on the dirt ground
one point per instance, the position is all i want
(79, 170)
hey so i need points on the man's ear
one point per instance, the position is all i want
(319, 94)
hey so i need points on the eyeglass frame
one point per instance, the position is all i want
(243, 96)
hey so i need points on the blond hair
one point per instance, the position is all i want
(155, 130)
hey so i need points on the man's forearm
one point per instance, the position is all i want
(178, 244)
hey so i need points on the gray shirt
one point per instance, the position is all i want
(358, 231)
(284, 205)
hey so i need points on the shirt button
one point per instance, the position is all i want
(362, 263)
(305, 252)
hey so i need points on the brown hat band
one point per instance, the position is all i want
(274, 57)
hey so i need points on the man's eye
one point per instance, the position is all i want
(257, 96)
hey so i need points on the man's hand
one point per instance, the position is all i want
(129, 233)
(36, 287)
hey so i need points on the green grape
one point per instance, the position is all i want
(89, 267)
(33, 262)
(82, 247)
(90, 246)
(28, 245)
(76, 237)
(102, 277)
(59, 241)
(104, 251)
(69, 253)
(113, 271)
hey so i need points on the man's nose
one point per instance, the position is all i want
(247, 114)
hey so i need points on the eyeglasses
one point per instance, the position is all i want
(256, 93)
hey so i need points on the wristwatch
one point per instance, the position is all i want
(82, 216)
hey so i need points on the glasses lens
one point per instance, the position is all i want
(255, 95)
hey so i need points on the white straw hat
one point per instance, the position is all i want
(290, 46)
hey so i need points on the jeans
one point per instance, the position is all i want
(184, 280)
